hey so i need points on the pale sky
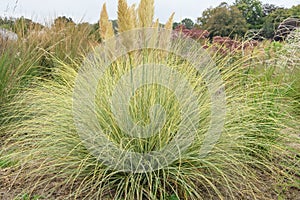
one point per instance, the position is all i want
(88, 10)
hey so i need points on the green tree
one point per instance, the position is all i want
(269, 8)
(115, 25)
(63, 21)
(252, 11)
(175, 24)
(273, 20)
(277, 16)
(295, 11)
(223, 20)
(188, 23)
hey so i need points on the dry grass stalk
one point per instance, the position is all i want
(146, 13)
(169, 23)
(106, 28)
(125, 21)
(133, 14)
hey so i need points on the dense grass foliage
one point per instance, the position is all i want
(44, 142)
(42, 154)
(34, 55)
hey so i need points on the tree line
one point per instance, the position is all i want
(244, 18)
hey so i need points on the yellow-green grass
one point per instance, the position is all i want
(251, 156)
(256, 157)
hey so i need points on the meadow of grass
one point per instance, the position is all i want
(42, 156)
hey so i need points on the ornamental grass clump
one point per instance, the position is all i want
(148, 116)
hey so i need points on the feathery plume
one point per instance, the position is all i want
(133, 14)
(103, 21)
(169, 23)
(110, 30)
(106, 29)
(125, 21)
(146, 13)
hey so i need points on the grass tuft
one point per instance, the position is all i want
(256, 157)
